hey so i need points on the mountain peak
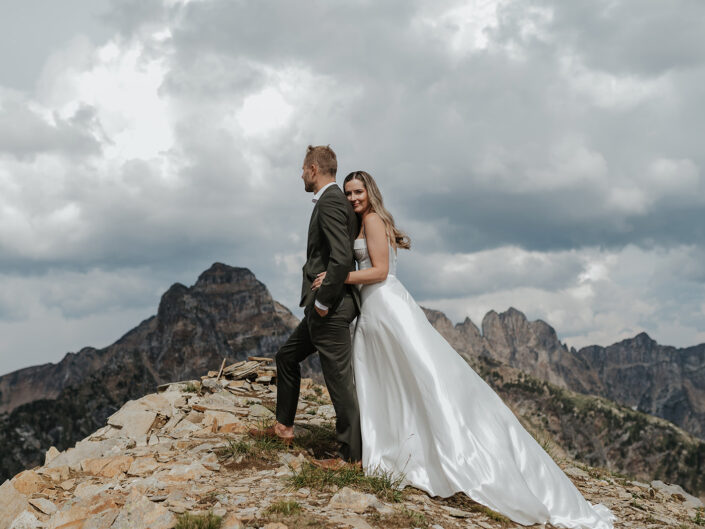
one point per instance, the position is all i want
(220, 273)
(511, 312)
(642, 339)
(642, 336)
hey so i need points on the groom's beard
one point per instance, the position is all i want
(309, 187)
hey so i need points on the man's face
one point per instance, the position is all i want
(308, 177)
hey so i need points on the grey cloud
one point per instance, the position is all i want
(479, 219)
(31, 29)
(128, 17)
(24, 134)
(459, 276)
(646, 37)
(77, 294)
(421, 115)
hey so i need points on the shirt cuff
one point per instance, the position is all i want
(320, 305)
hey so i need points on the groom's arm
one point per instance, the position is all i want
(333, 220)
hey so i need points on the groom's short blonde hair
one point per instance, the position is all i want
(324, 157)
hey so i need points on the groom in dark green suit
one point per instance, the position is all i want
(328, 311)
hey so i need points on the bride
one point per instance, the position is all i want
(425, 414)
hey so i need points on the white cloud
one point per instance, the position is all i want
(263, 112)
(598, 296)
(121, 82)
(679, 177)
(614, 91)
(463, 27)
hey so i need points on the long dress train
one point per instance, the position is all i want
(426, 415)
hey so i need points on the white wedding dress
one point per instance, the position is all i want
(426, 415)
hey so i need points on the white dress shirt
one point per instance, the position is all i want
(316, 197)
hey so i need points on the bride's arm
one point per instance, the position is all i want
(377, 247)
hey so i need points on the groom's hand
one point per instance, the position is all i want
(321, 313)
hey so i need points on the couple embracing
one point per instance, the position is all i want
(406, 402)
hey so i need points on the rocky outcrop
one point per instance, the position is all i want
(534, 347)
(660, 380)
(169, 457)
(227, 314)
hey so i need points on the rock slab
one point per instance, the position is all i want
(12, 503)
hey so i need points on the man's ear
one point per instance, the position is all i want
(314, 170)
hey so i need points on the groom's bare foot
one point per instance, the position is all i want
(284, 433)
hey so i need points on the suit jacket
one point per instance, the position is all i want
(331, 232)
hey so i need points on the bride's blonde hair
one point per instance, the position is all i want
(395, 235)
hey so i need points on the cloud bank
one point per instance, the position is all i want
(541, 155)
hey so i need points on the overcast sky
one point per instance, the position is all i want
(546, 155)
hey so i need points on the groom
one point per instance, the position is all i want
(328, 311)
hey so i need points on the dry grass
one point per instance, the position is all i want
(203, 521)
(402, 519)
(258, 453)
(383, 485)
(287, 508)
(461, 501)
(291, 514)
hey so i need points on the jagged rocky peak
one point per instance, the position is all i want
(234, 288)
(231, 292)
(171, 302)
(463, 337)
(511, 329)
(493, 329)
(468, 327)
(437, 318)
(641, 340)
(227, 278)
(469, 336)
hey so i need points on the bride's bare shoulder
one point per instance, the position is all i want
(374, 227)
(372, 219)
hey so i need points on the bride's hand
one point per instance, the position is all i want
(317, 282)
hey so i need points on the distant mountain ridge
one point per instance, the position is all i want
(638, 372)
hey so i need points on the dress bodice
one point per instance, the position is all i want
(362, 256)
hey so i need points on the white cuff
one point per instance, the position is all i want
(320, 305)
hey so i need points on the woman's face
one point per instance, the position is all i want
(357, 195)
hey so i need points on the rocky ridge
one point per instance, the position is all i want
(183, 452)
